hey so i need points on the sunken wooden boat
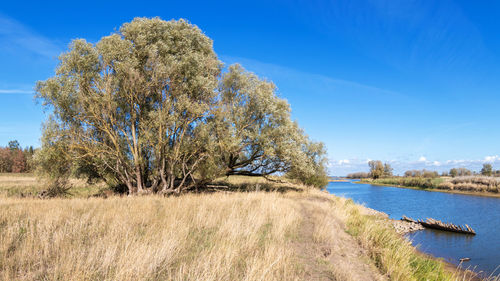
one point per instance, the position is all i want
(439, 225)
(405, 218)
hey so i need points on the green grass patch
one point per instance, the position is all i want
(416, 182)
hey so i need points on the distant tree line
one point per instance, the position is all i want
(150, 108)
(358, 175)
(488, 170)
(421, 173)
(460, 172)
(381, 170)
(14, 159)
(377, 170)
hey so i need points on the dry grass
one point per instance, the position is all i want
(473, 183)
(193, 237)
(219, 236)
(395, 256)
(27, 185)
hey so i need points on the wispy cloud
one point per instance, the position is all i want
(425, 33)
(15, 35)
(16, 91)
(326, 84)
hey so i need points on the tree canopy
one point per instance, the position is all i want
(487, 169)
(376, 169)
(150, 108)
(14, 159)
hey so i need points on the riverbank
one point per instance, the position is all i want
(479, 212)
(296, 234)
(439, 187)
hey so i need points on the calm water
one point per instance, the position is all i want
(481, 213)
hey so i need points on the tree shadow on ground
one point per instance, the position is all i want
(221, 185)
(224, 186)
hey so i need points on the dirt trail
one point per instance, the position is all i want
(337, 258)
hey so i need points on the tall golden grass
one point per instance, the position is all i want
(473, 183)
(28, 185)
(193, 237)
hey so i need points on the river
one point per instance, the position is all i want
(481, 213)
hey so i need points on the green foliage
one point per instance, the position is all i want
(14, 145)
(421, 173)
(487, 169)
(387, 170)
(146, 107)
(132, 107)
(455, 172)
(253, 125)
(376, 169)
(53, 160)
(255, 133)
(419, 182)
(310, 168)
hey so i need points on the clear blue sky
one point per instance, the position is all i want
(415, 83)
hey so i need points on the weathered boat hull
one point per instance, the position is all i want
(439, 225)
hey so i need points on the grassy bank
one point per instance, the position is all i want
(296, 235)
(488, 186)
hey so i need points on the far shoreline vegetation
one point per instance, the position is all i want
(457, 180)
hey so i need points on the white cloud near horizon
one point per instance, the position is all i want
(493, 158)
(346, 166)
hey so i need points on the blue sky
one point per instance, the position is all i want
(414, 83)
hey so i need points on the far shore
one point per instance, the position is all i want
(473, 193)
(338, 180)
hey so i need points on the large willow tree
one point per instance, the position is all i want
(259, 137)
(147, 108)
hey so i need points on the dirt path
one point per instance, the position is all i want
(335, 256)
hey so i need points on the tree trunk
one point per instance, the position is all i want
(140, 184)
(130, 187)
(164, 182)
